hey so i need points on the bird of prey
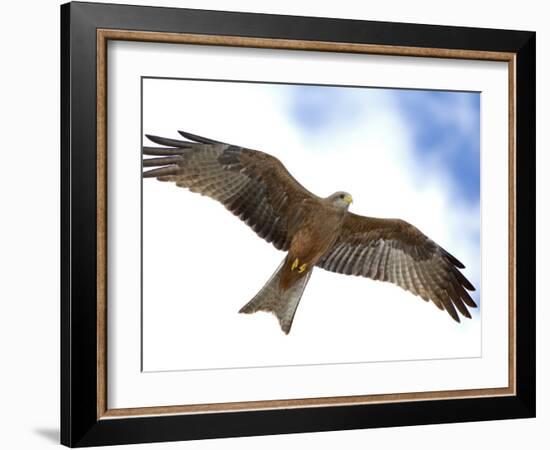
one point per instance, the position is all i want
(313, 231)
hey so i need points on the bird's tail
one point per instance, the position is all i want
(282, 303)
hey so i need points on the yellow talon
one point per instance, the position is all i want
(295, 264)
(302, 268)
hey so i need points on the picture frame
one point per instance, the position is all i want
(86, 30)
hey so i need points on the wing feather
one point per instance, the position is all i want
(393, 250)
(253, 185)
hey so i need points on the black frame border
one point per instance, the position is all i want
(79, 423)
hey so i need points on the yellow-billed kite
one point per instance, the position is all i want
(314, 231)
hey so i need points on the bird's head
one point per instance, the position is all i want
(340, 199)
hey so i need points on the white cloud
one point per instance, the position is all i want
(201, 264)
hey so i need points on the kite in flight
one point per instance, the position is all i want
(314, 231)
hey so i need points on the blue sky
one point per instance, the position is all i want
(445, 125)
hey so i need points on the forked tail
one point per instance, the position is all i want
(272, 298)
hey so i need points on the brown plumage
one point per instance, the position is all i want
(314, 231)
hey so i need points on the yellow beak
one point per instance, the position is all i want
(348, 199)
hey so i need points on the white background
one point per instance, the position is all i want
(29, 323)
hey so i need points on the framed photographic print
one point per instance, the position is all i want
(361, 253)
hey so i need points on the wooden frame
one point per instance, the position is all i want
(86, 418)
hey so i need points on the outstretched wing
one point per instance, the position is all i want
(395, 251)
(251, 184)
